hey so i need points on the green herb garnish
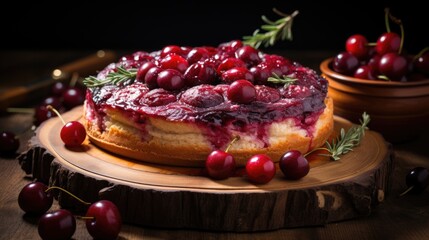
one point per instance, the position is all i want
(347, 140)
(285, 79)
(280, 29)
(116, 78)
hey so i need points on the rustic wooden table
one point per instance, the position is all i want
(405, 217)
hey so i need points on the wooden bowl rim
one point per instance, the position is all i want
(327, 71)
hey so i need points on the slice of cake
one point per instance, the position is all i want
(176, 105)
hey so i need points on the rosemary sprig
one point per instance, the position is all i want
(285, 79)
(346, 141)
(116, 78)
(280, 29)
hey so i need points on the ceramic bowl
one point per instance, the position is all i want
(398, 110)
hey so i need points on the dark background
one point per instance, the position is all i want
(144, 25)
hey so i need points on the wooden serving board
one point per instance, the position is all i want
(184, 197)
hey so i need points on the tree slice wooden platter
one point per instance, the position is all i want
(184, 197)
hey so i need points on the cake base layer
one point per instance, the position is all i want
(183, 144)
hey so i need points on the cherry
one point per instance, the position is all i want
(260, 169)
(144, 68)
(373, 63)
(393, 65)
(364, 72)
(158, 97)
(421, 62)
(358, 46)
(58, 88)
(197, 54)
(260, 74)
(202, 96)
(170, 79)
(294, 165)
(34, 198)
(417, 180)
(53, 101)
(171, 49)
(241, 91)
(9, 143)
(151, 77)
(103, 220)
(236, 73)
(59, 224)
(221, 164)
(388, 42)
(41, 114)
(228, 64)
(200, 73)
(73, 133)
(173, 61)
(72, 97)
(345, 63)
(248, 54)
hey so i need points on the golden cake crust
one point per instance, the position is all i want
(184, 144)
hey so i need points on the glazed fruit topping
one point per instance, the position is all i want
(202, 96)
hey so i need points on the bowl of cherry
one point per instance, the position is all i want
(381, 79)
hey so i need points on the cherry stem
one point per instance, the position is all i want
(371, 44)
(421, 52)
(386, 19)
(406, 191)
(71, 194)
(233, 141)
(85, 217)
(401, 26)
(49, 107)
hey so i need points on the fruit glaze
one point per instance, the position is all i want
(224, 89)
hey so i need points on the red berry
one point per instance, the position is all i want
(170, 79)
(364, 72)
(105, 222)
(421, 64)
(345, 63)
(141, 73)
(388, 42)
(33, 198)
(9, 143)
(73, 134)
(171, 49)
(73, 97)
(393, 65)
(59, 224)
(249, 55)
(151, 77)
(220, 165)
(241, 91)
(200, 73)
(173, 61)
(358, 46)
(294, 165)
(228, 64)
(260, 169)
(236, 73)
(197, 54)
